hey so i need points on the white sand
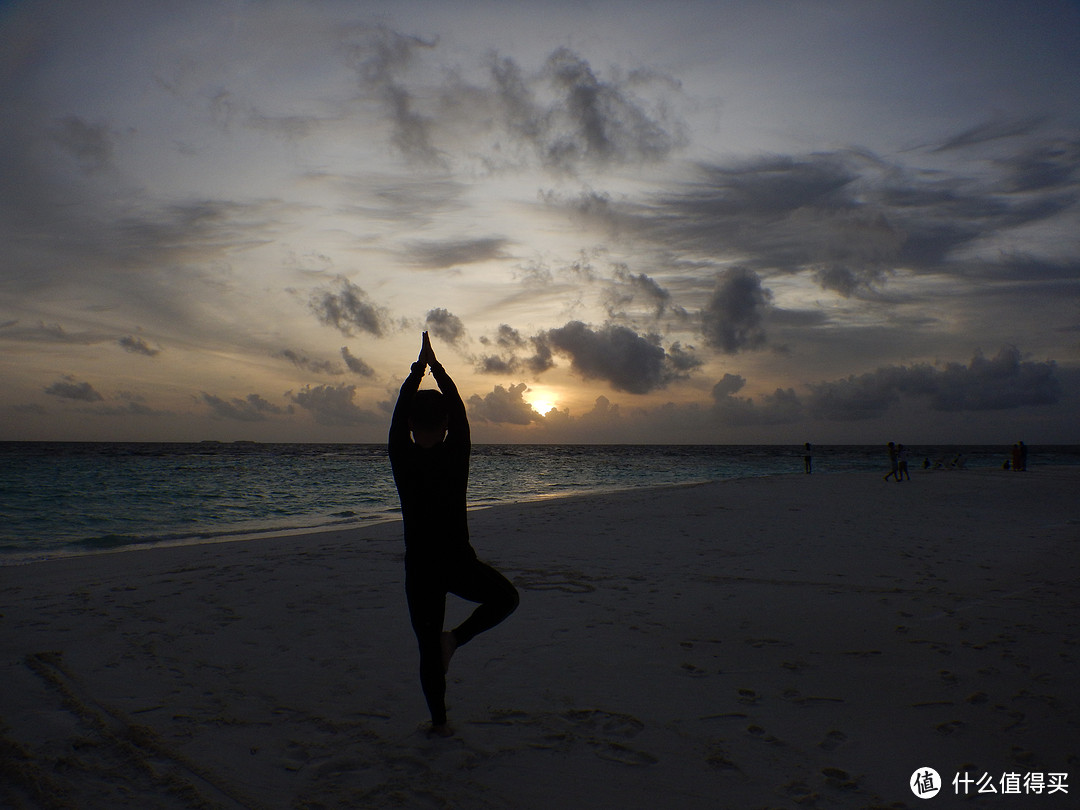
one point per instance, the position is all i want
(796, 641)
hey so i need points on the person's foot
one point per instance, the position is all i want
(442, 730)
(449, 645)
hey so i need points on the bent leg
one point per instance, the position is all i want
(427, 608)
(498, 598)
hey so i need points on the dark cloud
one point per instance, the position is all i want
(68, 388)
(90, 144)
(444, 325)
(781, 407)
(137, 346)
(628, 361)
(252, 408)
(563, 114)
(847, 219)
(305, 363)
(334, 405)
(510, 343)
(733, 319)
(1047, 166)
(503, 406)
(593, 121)
(439, 255)
(349, 310)
(1002, 382)
(355, 364)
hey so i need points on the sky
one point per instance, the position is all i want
(620, 222)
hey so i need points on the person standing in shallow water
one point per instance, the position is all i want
(429, 449)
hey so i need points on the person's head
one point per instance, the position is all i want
(428, 417)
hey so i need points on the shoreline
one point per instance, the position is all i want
(22, 558)
(90, 499)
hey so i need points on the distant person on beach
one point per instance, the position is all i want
(808, 459)
(893, 463)
(1023, 457)
(901, 463)
(429, 453)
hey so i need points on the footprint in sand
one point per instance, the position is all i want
(604, 732)
(616, 752)
(833, 740)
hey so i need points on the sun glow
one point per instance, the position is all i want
(542, 406)
(541, 400)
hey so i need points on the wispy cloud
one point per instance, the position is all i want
(439, 255)
(305, 363)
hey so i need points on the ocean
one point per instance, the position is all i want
(59, 499)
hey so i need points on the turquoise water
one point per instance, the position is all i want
(60, 498)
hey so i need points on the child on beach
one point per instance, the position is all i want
(431, 471)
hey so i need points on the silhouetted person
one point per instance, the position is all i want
(1023, 457)
(901, 463)
(808, 459)
(892, 463)
(431, 470)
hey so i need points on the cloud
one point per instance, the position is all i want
(51, 333)
(68, 388)
(781, 407)
(137, 346)
(732, 321)
(444, 325)
(562, 115)
(510, 342)
(992, 131)
(253, 408)
(628, 361)
(503, 406)
(334, 405)
(593, 121)
(349, 310)
(305, 363)
(999, 383)
(381, 58)
(846, 219)
(90, 144)
(627, 288)
(1054, 164)
(355, 364)
(438, 255)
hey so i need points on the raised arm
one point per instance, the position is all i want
(399, 422)
(457, 426)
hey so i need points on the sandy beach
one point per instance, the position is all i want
(785, 642)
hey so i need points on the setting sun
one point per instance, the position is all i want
(542, 406)
(540, 399)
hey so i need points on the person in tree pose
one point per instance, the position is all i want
(429, 450)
